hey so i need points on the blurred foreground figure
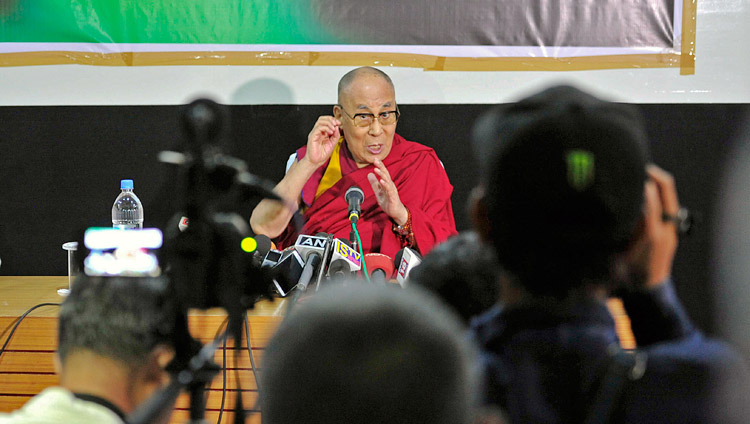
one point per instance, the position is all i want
(576, 213)
(732, 246)
(463, 272)
(363, 354)
(113, 347)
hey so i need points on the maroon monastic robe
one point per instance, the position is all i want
(423, 187)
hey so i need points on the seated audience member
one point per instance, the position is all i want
(463, 272)
(575, 212)
(369, 354)
(112, 350)
(407, 194)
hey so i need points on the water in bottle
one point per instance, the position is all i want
(127, 212)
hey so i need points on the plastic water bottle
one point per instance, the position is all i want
(127, 212)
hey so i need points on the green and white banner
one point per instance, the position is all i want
(432, 34)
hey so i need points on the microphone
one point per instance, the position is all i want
(263, 244)
(321, 245)
(312, 262)
(306, 244)
(339, 269)
(183, 224)
(379, 266)
(262, 247)
(354, 197)
(287, 271)
(271, 259)
(406, 260)
(341, 250)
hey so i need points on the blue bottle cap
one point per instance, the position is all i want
(126, 185)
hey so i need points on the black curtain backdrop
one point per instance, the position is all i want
(61, 167)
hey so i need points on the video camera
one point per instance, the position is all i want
(207, 255)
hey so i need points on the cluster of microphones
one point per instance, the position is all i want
(318, 259)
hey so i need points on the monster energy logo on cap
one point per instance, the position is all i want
(580, 169)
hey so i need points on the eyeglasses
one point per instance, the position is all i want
(388, 117)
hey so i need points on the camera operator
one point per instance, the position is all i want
(113, 347)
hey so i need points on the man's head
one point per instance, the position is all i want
(463, 272)
(364, 354)
(368, 113)
(118, 329)
(563, 186)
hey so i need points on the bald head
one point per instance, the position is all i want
(347, 80)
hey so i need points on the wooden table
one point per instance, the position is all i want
(27, 367)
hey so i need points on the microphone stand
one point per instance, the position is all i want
(354, 197)
(313, 260)
(353, 237)
(326, 258)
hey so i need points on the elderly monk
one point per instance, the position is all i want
(407, 200)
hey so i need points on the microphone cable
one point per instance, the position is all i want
(252, 362)
(18, 322)
(361, 253)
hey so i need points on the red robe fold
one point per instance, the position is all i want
(423, 187)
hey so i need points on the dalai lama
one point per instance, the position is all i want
(407, 195)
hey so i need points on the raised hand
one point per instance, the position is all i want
(661, 200)
(322, 140)
(386, 193)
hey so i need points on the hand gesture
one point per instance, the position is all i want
(386, 193)
(661, 200)
(322, 140)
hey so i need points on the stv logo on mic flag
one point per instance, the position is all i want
(349, 253)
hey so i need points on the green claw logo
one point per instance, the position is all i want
(580, 169)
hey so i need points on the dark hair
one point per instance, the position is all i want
(563, 186)
(116, 317)
(364, 354)
(463, 272)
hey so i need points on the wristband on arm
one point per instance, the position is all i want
(405, 232)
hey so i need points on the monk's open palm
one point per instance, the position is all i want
(386, 193)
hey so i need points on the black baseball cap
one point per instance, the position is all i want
(563, 173)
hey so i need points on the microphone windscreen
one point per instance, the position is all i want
(339, 267)
(264, 244)
(354, 193)
(379, 261)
